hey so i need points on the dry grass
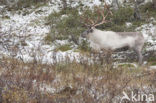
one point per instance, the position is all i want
(68, 82)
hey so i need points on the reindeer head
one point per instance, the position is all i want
(91, 25)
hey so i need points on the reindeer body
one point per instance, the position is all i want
(109, 40)
(114, 40)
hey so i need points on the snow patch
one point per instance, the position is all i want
(149, 33)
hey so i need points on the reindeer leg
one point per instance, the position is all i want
(101, 56)
(140, 57)
(139, 54)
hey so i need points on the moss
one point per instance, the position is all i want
(153, 63)
(65, 47)
(152, 59)
(126, 65)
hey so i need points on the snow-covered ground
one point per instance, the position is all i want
(31, 27)
(149, 33)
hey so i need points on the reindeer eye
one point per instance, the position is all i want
(91, 30)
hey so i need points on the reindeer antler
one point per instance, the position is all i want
(98, 22)
(103, 16)
(88, 22)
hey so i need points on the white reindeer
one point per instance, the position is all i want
(109, 40)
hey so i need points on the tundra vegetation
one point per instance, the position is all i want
(70, 82)
(20, 4)
(66, 21)
(77, 82)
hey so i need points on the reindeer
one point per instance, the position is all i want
(109, 40)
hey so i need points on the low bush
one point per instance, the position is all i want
(148, 10)
(84, 46)
(69, 82)
(20, 4)
(68, 24)
(63, 47)
(65, 24)
(122, 15)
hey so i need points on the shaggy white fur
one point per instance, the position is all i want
(110, 40)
